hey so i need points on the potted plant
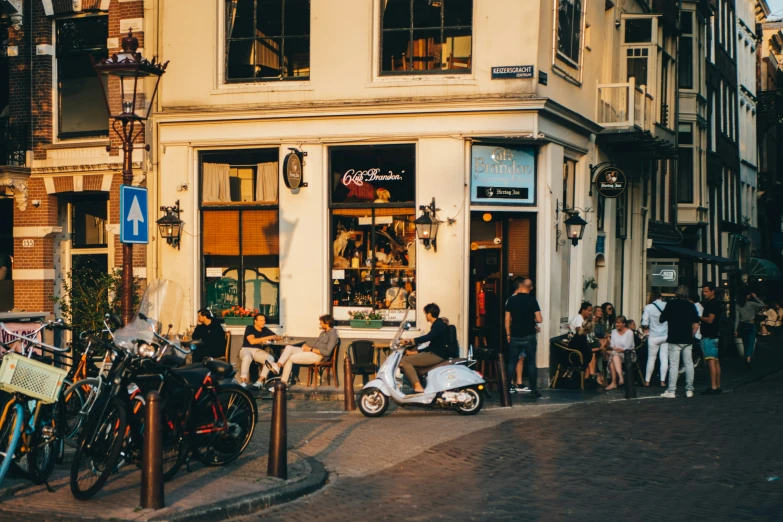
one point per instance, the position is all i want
(238, 316)
(590, 283)
(362, 319)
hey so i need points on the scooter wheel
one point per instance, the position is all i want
(373, 402)
(475, 404)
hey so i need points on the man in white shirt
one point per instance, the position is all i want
(656, 340)
(585, 312)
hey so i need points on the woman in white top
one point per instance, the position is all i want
(620, 341)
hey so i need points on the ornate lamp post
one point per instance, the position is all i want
(127, 79)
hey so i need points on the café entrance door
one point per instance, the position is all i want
(502, 247)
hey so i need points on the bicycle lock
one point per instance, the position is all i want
(152, 456)
(349, 402)
(505, 394)
(278, 438)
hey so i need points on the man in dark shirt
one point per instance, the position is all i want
(211, 333)
(522, 318)
(256, 335)
(683, 322)
(710, 331)
(433, 354)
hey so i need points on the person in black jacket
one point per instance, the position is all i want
(211, 333)
(683, 322)
(434, 353)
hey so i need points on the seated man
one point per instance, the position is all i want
(211, 333)
(256, 334)
(306, 354)
(435, 353)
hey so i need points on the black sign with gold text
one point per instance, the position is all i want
(610, 182)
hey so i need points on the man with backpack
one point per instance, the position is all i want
(523, 316)
(435, 352)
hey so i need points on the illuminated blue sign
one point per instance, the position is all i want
(503, 175)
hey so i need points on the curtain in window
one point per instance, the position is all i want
(266, 182)
(215, 185)
(231, 16)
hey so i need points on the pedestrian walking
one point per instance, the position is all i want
(682, 321)
(523, 315)
(656, 340)
(748, 306)
(710, 331)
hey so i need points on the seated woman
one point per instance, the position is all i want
(306, 354)
(620, 342)
(211, 333)
(772, 320)
(255, 336)
(602, 337)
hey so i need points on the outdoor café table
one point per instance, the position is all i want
(277, 347)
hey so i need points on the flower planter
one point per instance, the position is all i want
(365, 323)
(238, 321)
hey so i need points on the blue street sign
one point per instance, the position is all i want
(134, 222)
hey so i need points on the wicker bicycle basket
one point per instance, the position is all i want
(35, 379)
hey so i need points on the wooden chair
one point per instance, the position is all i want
(362, 357)
(399, 64)
(568, 361)
(458, 62)
(326, 365)
(228, 348)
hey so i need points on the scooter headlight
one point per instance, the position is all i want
(147, 350)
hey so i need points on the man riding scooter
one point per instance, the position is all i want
(434, 353)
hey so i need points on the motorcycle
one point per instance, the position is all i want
(450, 385)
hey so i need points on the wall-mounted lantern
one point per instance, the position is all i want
(427, 225)
(170, 225)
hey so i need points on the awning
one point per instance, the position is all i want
(764, 269)
(724, 262)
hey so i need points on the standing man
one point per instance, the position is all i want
(522, 318)
(585, 313)
(520, 366)
(710, 331)
(656, 340)
(682, 321)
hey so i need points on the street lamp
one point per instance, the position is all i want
(427, 225)
(575, 227)
(170, 225)
(127, 79)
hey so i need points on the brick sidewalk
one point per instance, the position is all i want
(706, 458)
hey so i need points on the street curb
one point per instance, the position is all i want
(249, 504)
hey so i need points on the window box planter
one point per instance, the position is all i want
(366, 323)
(238, 321)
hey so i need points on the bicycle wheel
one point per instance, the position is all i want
(43, 444)
(213, 442)
(10, 433)
(98, 450)
(174, 444)
(78, 399)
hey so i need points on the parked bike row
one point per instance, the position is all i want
(97, 406)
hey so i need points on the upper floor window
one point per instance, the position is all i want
(685, 63)
(79, 39)
(426, 36)
(267, 40)
(570, 18)
(638, 30)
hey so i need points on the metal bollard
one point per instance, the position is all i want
(278, 438)
(505, 395)
(152, 456)
(630, 389)
(349, 402)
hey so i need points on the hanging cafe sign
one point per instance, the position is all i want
(292, 169)
(610, 182)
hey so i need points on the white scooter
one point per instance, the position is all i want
(450, 384)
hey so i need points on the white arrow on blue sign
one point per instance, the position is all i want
(134, 227)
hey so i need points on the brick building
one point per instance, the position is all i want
(60, 163)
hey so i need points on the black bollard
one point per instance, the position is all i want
(349, 402)
(278, 438)
(630, 389)
(505, 394)
(152, 456)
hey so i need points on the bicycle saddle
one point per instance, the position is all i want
(220, 369)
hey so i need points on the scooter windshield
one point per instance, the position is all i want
(395, 341)
(160, 312)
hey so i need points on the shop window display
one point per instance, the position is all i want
(240, 231)
(372, 231)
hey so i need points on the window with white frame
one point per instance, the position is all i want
(639, 39)
(267, 40)
(426, 36)
(685, 165)
(686, 60)
(569, 25)
(79, 41)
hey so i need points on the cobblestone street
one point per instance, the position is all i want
(706, 458)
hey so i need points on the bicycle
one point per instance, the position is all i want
(31, 420)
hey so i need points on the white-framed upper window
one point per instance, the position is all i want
(267, 40)
(687, 68)
(569, 29)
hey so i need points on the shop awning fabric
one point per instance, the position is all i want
(764, 269)
(724, 262)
